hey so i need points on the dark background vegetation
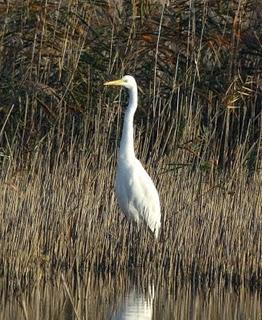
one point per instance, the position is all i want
(200, 60)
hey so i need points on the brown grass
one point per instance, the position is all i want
(58, 213)
(198, 132)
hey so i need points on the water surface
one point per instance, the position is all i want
(129, 298)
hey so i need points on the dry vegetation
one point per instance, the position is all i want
(58, 213)
(198, 133)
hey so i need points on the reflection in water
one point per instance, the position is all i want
(127, 298)
(135, 305)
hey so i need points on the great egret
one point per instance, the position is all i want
(136, 193)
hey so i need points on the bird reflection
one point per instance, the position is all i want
(135, 305)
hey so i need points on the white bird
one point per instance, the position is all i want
(136, 193)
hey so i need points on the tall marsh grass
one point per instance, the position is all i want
(58, 213)
(198, 132)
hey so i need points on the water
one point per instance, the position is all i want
(128, 298)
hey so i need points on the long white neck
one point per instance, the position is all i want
(127, 151)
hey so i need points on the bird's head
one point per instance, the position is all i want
(128, 82)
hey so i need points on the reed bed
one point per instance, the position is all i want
(58, 213)
(198, 133)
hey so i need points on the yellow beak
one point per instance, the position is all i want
(119, 82)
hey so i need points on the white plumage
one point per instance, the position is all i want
(136, 193)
